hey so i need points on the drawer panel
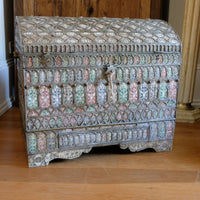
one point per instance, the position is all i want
(47, 141)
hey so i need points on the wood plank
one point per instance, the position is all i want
(145, 8)
(119, 8)
(45, 8)
(18, 8)
(156, 12)
(66, 8)
(28, 7)
(159, 9)
(88, 8)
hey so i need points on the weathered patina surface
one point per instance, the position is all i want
(87, 82)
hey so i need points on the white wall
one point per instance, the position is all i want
(176, 14)
(196, 97)
(6, 61)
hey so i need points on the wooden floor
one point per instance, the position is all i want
(105, 173)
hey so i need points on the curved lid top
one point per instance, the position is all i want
(70, 34)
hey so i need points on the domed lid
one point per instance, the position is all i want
(69, 34)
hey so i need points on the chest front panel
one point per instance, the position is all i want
(76, 90)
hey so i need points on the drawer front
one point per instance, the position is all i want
(47, 141)
(99, 90)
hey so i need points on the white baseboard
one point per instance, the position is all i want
(196, 103)
(7, 104)
(6, 98)
(6, 63)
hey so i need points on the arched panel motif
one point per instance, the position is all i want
(175, 72)
(71, 75)
(65, 61)
(32, 98)
(42, 77)
(114, 96)
(151, 72)
(123, 93)
(169, 129)
(139, 73)
(79, 75)
(29, 62)
(44, 97)
(58, 61)
(143, 92)
(32, 147)
(132, 74)
(99, 61)
(51, 141)
(86, 61)
(35, 77)
(163, 90)
(79, 96)
(119, 74)
(49, 76)
(145, 73)
(172, 90)
(169, 72)
(28, 78)
(154, 131)
(36, 62)
(92, 75)
(153, 90)
(64, 77)
(157, 72)
(86, 75)
(136, 59)
(164, 72)
(91, 94)
(42, 142)
(161, 129)
(57, 77)
(126, 74)
(56, 96)
(133, 93)
(68, 95)
(101, 95)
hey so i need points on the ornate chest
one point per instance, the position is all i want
(87, 82)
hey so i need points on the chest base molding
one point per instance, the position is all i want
(43, 159)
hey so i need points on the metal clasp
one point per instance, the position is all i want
(110, 72)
